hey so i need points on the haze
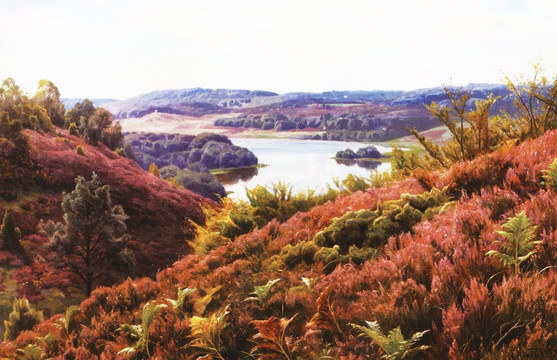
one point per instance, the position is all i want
(120, 49)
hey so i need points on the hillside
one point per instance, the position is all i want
(303, 288)
(159, 212)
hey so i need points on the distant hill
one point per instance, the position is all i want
(199, 101)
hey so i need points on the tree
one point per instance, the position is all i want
(48, 97)
(91, 243)
(10, 234)
(470, 131)
(80, 113)
(536, 103)
(17, 110)
(94, 127)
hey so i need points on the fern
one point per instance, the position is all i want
(201, 304)
(67, 322)
(31, 352)
(183, 294)
(550, 175)
(141, 332)
(272, 338)
(206, 334)
(517, 245)
(262, 292)
(394, 344)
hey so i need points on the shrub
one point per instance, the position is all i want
(79, 150)
(10, 234)
(23, 317)
(73, 129)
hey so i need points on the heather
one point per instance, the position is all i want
(452, 256)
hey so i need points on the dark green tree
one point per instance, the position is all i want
(10, 234)
(91, 243)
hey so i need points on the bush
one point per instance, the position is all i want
(23, 317)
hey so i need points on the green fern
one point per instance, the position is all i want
(262, 292)
(30, 352)
(550, 175)
(517, 245)
(183, 294)
(394, 344)
(206, 334)
(141, 332)
(66, 323)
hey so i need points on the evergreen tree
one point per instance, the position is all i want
(91, 243)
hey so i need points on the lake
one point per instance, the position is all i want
(302, 163)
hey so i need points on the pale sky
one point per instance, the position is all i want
(122, 48)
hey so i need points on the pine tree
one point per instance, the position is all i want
(91, 242)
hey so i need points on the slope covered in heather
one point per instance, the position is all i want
(409, 255)
(160, 214)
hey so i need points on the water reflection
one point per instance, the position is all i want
(233, 176)
(303, 164)
(364, 163)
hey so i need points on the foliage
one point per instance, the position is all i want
(428, 271)
(262, 292)
(371, 228)
(154, 170)
(278, 201)
(10, 234)
(23, 317)
(272, 339)
(95, 124)
(518, 245)
(92, 240)
(223, 224)
(550, 175)
(470, 134)
(67, 322)
(206, 333)
(48, 97)
(79, 150)
(141, 332)
(31, 352)
(18, 111)
(394, 344)
(73, 129)
(80, 113)
(534, 100)
(182, 296)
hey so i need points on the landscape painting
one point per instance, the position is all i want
(278, 180)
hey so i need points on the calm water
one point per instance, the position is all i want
(302, 163)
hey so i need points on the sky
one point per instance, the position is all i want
(123, 48)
